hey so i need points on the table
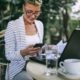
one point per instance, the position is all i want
(37, 71)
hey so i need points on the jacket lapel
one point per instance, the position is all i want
(21, 31)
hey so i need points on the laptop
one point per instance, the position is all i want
(72, 49)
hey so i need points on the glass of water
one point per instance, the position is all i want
(51, 59)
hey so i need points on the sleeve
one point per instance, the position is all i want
(10, 44)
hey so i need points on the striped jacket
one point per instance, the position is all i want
(14, 42)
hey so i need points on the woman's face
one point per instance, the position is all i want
(31, 12)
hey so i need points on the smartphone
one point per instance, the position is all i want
(38, 45)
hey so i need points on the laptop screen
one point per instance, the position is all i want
(72, 49)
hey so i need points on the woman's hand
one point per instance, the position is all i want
(30, 50)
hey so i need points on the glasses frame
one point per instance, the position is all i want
(31, 13)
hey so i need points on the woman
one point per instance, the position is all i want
(20, 36)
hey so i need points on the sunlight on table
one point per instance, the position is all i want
(37, 71)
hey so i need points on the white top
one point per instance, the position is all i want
(32, 39)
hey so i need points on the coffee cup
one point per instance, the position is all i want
(71, 66)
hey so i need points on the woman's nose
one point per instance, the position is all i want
(33, 16)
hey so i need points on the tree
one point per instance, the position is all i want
(52, 8)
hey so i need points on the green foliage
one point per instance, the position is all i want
(3, 4)
(52, 9)
(72, 25)
(12, 9)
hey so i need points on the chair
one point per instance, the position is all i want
(3, 65)
(3, 62)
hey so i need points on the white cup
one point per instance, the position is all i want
(71, 66)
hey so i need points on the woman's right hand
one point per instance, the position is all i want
(30, 50)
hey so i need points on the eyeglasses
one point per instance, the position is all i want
(31, 13)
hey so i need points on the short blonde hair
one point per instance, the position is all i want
(34, 2)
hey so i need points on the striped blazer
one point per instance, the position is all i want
(14, 42)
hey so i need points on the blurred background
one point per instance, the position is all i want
(60, 18)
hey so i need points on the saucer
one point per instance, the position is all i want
(67, 75)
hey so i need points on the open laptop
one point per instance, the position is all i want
(72, 49)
